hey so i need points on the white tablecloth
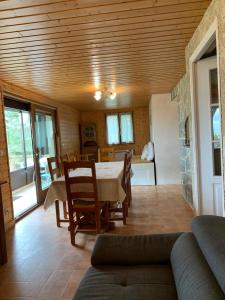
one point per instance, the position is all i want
(109, 175)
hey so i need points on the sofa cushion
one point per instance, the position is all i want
(193, 277)
(209, 232)
(133, 249)
(128, 282)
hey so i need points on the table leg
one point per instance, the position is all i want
(65, 212)
(57, 211)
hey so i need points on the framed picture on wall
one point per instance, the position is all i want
(88, 132)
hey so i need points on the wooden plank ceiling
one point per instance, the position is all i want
(68, 49)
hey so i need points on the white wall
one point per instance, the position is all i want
(165, 135)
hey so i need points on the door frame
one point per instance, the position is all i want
(25, 101)
(3, 248)
(210, 35)
(43, 107)
(51, 111)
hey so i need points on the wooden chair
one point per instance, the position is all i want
(125, 182)
(54, 169)
(106, 154)
(72, 156)
(84, 208)
(81, 157)
(65, 157)
(76, 157)
(55, 172)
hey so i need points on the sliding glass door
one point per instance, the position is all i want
(21, 158)
(31, 139)
(45, 145)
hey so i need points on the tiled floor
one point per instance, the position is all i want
(43, 264)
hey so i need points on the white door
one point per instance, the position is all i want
(209, 136)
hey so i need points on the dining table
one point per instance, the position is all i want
(108, 176)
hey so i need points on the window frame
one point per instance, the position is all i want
(118, 114)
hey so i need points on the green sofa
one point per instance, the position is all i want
(186, 266)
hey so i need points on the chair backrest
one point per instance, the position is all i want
(82, 157)
(126, 171)
(54, 169)
(106, 154)
(73, 181)
(72, 156)
(64, 157)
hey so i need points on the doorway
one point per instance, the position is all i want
(21, 158)
(209, 137)
(31, 139)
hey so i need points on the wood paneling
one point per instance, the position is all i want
(69, 129)
(66, 49)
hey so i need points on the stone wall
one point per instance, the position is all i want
(182, 90)
(184, 109)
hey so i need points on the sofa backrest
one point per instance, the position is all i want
(193, 277)
(209, 232)
(133, 249)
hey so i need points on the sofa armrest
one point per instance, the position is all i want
(133, 250)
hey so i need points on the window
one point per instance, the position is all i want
(119, 128)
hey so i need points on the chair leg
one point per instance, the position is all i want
(65, 210)
(57, 210)
(124, 208)
(72, 234)
(129, 194)
(78, 218)
(74, 227)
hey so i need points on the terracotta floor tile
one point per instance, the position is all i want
(73, 284)
(18, 298)
(51, 292)
(43, 264)
(59, 278)
(20, 289)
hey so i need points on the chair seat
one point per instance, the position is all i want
(79, 204)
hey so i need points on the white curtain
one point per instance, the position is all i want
(126, 125)
(113, 129)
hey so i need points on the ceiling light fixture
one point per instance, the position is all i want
(107, 94)
(98, 95)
